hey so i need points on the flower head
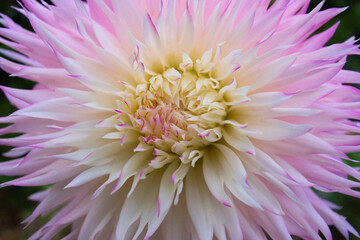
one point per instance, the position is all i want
(186, 119)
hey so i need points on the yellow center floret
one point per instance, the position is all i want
(180, 110)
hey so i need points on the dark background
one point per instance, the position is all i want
(14, 207)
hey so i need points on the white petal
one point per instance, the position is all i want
(133, 166)
(214, 180)
(273, 129)
(167, 190)
(234, 137)
(197, 208)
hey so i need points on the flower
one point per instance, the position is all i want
(196, 119)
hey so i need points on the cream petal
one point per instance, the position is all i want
(272, 130)
(214, 180)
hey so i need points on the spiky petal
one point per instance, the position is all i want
(181, 119)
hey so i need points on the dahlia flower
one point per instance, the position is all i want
(177, 120)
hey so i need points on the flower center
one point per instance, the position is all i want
(180, 109)
(162, 121)
(189, 88)
(171, 102)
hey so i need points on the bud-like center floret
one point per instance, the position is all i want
(180, 109)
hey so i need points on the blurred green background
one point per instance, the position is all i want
(14, 206)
